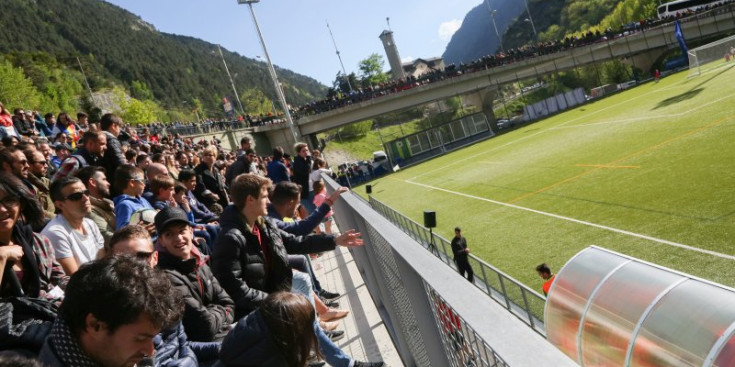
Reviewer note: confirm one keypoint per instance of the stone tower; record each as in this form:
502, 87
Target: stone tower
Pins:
391, 50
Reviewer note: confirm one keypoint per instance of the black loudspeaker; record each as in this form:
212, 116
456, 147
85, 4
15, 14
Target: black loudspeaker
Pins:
429, 219
368, 189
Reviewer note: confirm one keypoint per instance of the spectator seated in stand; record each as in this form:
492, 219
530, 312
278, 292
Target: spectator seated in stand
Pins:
209, 310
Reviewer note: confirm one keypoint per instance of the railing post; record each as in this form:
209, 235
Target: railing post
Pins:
505, 293
528, 308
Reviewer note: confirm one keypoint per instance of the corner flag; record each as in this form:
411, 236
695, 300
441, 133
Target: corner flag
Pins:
680, 37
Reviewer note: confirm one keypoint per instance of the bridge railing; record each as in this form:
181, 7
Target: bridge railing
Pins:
516, 297
434, 316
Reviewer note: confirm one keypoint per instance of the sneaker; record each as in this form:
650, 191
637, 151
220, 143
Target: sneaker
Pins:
330, 296
335, 335
328, 326
333, 314
368, 364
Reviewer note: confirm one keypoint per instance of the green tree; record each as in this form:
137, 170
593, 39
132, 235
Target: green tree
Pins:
371, 70
141, 91
255, 102
16, 90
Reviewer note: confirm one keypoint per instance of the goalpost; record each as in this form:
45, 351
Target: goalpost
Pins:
703, 58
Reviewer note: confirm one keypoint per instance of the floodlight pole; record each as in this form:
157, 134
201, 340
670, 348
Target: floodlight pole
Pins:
274, 76
530, 18
340, 58
239, 103
495, 25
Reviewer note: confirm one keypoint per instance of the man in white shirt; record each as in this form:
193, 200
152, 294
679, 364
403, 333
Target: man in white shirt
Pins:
76, 239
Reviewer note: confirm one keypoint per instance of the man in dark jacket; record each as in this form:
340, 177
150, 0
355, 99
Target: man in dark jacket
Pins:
113, 157
284, 200
301, 171
209, 309
251, 255
241, 165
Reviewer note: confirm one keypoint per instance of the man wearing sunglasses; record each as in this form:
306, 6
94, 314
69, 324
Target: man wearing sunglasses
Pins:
76, 239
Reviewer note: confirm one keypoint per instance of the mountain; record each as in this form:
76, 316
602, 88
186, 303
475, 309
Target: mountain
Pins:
476, 37
117, 47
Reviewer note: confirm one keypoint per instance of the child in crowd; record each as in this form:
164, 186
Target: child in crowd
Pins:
130, 181
320, 195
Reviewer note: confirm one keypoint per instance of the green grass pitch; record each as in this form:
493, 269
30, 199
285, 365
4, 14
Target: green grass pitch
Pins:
649, 172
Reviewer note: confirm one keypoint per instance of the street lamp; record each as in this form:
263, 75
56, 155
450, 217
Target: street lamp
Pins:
239, 103
274, 76
495, 25
530, 19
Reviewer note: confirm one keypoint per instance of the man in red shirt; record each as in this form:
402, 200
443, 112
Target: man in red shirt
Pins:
544, 272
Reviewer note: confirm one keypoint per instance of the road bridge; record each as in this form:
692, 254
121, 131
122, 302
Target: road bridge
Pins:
642, 49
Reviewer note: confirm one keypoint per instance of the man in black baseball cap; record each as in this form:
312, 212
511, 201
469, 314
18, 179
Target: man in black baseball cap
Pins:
209, 310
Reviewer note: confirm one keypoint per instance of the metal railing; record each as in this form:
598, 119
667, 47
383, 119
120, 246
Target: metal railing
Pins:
433, 315
516, 297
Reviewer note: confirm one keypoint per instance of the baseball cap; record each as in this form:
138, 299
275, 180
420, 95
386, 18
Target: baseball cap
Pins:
457, 229
168, 216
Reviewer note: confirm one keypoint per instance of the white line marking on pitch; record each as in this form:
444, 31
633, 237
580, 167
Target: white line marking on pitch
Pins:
578, 221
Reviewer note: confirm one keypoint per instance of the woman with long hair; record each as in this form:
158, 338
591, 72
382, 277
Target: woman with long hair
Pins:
278, 334
27, 259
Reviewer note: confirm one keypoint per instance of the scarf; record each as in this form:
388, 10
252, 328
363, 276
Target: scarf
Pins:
66, 348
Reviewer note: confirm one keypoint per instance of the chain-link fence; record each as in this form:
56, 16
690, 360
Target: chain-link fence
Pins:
433, 315
522, 301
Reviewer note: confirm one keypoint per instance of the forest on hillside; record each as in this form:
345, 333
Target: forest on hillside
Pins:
53, 41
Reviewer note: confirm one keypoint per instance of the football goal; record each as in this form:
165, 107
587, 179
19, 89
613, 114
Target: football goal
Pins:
711, 56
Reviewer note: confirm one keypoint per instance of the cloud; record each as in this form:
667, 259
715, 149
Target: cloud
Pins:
447, 29
406, 59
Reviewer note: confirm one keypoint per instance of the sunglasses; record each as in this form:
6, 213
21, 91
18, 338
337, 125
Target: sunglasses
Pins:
77, 195
144, 255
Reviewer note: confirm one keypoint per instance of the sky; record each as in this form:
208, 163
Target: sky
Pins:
296, 34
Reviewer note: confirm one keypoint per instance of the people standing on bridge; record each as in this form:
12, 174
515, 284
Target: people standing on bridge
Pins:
462, 254
544, 271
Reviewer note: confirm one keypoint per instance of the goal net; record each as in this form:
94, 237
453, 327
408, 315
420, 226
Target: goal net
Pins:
711, 56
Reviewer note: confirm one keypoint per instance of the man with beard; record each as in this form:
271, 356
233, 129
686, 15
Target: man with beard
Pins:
37, 177
14, 161
103, 209
76, 239
95, 144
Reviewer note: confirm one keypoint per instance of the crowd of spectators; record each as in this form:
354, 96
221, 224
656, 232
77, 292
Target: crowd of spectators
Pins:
123, 246
506, 57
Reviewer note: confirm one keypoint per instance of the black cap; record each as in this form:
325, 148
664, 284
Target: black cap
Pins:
167, 216
457, 229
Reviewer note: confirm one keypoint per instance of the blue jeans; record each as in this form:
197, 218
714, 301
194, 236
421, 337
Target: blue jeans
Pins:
303, 264
301, 284
308, 203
